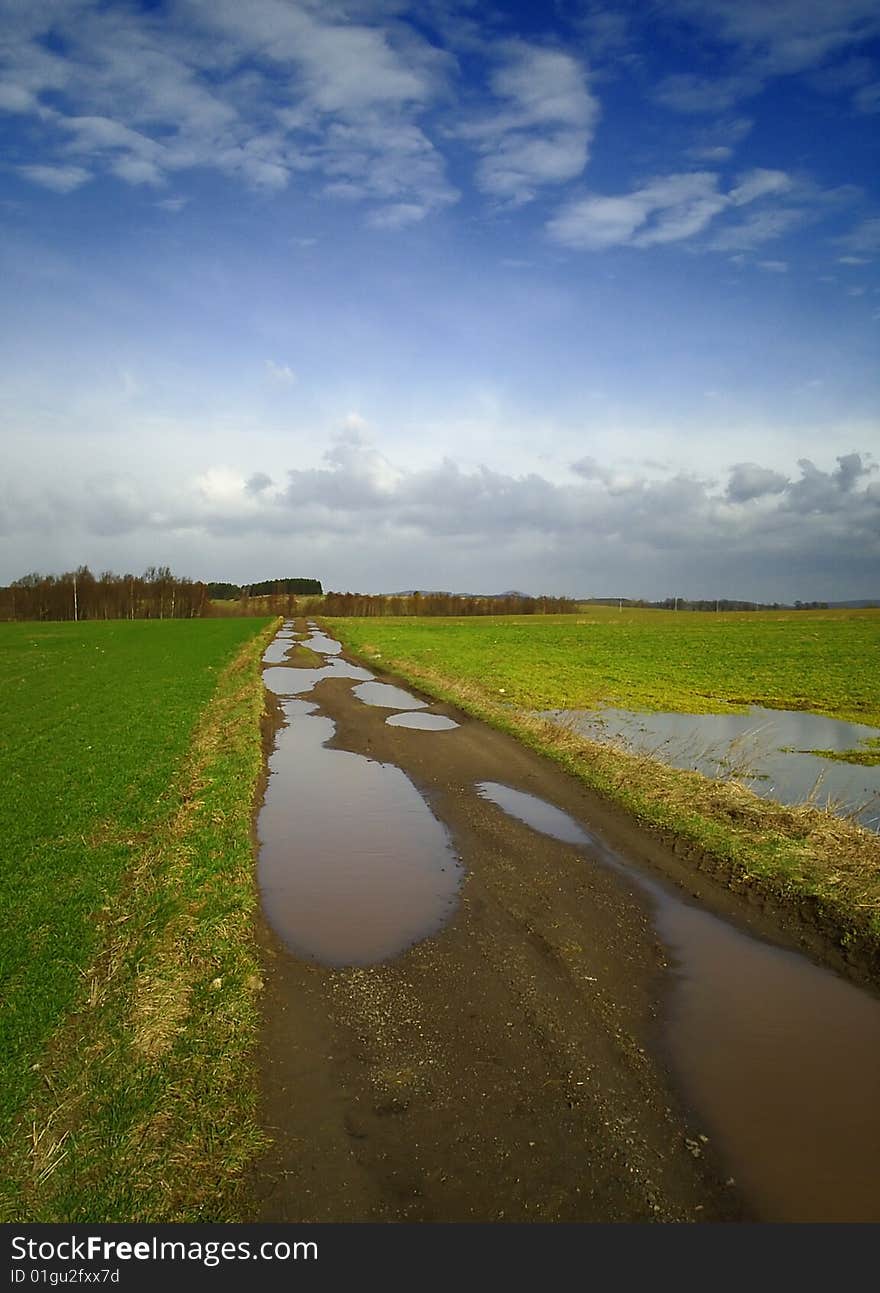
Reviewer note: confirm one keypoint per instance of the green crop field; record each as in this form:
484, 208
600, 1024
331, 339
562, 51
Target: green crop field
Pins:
97, 722
827, 662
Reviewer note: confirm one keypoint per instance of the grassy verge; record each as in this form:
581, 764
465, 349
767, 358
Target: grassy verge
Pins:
132, 1096
827, 866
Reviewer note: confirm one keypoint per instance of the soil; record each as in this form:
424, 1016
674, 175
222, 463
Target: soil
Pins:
512, 1066
508, 1068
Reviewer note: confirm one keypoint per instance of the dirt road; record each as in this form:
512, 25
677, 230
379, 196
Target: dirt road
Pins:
509, 1067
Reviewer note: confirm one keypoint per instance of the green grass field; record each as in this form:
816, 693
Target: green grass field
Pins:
114, 818
827, 662
505, 670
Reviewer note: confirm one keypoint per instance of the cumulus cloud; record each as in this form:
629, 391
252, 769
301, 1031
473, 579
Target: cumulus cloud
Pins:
542, 128
825, 493
757, 520
61, 179
265, 94
258, 483
787, 36
748, 481
668, 208
758, 183
765, 41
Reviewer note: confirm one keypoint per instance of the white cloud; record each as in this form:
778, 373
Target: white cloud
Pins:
769, 40
774, 266
759, 183
669, 208
541, 131
61, 179
265, 93
749, 481
756, 228
864, 238
786, 36
757, 524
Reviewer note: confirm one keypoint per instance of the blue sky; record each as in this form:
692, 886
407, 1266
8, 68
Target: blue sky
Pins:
575, 298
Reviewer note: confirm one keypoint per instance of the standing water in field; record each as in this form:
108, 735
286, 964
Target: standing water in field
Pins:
780, 1057
766, 749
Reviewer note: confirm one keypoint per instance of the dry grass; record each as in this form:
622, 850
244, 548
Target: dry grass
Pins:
146, 1111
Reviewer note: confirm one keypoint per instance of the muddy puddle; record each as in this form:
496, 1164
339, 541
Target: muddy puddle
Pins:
320, 642
779, 1057
287, 680
766, 749
277, 649
425, 722
383, 695
354, 867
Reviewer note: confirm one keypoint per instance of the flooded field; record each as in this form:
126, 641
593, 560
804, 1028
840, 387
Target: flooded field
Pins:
766, 749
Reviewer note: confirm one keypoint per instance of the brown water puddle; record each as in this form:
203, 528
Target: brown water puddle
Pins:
321, 643
288, 680
426, 722
353, 866
383, 695
780, 1057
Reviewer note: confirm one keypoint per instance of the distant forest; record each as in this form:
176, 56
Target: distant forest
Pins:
364, 605
156, 594
268, 588
707, 604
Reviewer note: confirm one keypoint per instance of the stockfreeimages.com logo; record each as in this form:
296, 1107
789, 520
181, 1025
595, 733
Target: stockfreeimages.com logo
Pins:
210, 1252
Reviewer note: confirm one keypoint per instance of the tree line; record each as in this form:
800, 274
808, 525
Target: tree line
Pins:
706, 604
223, 592
364, 605
79, 595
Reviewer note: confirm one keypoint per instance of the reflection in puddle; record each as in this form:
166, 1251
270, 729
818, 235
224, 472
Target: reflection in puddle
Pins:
353, 866
428, 722
321, 643
781, 1057
277, 649
763, 748
289, 681
385, 696
535, 812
